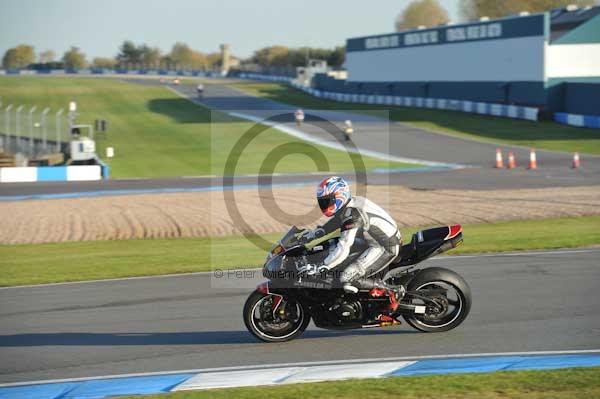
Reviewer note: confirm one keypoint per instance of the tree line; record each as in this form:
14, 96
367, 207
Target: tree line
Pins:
129, 56
430, 12
180, 57
183, 57
282, 56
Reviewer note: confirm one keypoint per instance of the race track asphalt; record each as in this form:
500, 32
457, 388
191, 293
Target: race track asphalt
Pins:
372, 133
468, 179
521, 302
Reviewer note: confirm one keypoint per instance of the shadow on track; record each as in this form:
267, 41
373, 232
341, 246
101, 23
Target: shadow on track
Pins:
168, 338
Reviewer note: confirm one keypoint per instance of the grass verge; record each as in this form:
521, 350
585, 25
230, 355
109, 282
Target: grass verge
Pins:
79, 261
545, 134
156, 133
556, 384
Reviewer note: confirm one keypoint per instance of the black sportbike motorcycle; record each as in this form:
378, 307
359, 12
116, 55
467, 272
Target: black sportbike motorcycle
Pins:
436, 299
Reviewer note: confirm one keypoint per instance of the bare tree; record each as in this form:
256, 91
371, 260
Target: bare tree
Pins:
104, 62
47, 56
150, 56
421, 12
181, 55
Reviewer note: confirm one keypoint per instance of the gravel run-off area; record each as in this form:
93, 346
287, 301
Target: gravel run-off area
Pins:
204, 214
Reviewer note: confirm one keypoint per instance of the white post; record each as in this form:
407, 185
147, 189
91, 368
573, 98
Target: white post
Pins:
58, 128
18, 126
2, 139
45, 130
31, 146
7, 119
7, 126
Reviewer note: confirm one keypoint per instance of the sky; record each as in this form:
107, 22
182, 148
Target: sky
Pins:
98, 27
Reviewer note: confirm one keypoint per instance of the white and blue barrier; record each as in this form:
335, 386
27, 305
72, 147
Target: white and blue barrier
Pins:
53, 173
230, 377
591, 121
500, 110
269, 78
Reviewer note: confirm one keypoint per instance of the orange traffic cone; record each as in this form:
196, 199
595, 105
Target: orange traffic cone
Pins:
499, 161
511, 161
532, 160
576, 162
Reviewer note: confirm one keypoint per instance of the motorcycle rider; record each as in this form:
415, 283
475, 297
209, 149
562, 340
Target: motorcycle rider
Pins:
357, 216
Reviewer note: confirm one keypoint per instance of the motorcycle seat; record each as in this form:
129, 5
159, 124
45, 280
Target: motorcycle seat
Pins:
408, 251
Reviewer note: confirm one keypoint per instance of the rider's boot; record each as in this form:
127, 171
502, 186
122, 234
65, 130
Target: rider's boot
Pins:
394, 294
378, 288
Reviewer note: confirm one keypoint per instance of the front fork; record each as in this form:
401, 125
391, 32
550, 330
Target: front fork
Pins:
276, 306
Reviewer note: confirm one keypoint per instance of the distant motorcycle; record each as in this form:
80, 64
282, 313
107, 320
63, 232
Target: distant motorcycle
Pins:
348, 130
436, 299
299, 117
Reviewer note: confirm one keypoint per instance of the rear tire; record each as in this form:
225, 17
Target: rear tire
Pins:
264, 331
437, 277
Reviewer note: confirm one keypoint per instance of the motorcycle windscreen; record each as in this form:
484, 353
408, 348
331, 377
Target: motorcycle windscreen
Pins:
290, 238
273, 267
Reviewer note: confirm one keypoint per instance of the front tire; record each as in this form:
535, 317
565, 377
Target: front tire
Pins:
288, 323
451, 308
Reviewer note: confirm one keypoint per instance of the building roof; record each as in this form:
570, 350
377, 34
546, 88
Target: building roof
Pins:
564, 20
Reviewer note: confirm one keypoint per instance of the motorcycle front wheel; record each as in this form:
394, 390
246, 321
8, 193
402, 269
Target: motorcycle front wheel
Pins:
272, 320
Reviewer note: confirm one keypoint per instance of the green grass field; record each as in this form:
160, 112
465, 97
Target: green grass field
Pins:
156, 133
576, 383
547, 135
79, 261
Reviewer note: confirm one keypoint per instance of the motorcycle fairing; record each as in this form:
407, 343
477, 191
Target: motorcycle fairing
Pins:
426, 243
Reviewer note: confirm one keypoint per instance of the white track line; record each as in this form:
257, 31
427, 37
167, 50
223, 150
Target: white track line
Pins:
524, 253
337, 146
303, 364
438, 258
325, 143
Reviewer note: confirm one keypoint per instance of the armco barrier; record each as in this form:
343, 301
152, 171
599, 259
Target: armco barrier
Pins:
53, 173
591, 121
500, 110
270, 78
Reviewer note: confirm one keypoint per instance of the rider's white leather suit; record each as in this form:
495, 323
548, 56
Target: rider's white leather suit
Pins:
362, 218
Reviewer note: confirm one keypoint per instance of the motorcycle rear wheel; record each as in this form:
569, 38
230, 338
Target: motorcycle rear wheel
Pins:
268, 328
455, 304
